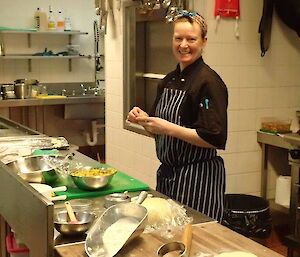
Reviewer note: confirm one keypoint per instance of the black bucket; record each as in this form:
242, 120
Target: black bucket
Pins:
248, 215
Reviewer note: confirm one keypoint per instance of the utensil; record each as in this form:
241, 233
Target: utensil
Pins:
47, 191
34, 169
62, 224
116, 198
92, 182
117, 226
183, 247
71, 214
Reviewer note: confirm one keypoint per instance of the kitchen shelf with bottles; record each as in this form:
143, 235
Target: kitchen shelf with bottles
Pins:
33, 57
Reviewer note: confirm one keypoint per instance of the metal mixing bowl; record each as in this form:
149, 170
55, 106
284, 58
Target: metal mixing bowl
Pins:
92, 182
62, 224
34, 169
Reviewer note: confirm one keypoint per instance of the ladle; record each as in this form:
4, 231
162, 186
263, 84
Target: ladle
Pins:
73, 219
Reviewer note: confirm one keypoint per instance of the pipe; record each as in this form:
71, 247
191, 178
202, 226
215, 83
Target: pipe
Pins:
92, 140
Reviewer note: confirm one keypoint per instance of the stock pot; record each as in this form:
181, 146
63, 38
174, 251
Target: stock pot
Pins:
23, 88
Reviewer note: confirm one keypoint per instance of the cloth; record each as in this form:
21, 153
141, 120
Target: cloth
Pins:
227, 8
195, 176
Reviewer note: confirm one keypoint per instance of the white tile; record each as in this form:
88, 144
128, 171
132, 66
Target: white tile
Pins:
230, 76
280, 97
246, 120
248, 182
249, 161
232, 142
247, 98
264, 97
247, 142
233, 120
114, 119
248, 76
233, 98
114, 103
114, 86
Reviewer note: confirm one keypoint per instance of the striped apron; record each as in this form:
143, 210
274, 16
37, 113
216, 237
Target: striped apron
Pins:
191, 175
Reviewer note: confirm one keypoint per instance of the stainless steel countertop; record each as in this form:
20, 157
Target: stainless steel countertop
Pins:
57, 101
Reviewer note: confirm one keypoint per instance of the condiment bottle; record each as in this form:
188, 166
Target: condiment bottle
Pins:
51, 21
40, 20
60, 25
68, 25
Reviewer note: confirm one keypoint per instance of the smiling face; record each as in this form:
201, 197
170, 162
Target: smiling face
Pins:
188, 42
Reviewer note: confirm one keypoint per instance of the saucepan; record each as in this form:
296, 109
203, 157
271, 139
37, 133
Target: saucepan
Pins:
117, 226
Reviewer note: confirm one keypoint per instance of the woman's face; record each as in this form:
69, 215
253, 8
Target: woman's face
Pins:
187, 42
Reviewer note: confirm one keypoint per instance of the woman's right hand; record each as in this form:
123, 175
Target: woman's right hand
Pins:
134, 113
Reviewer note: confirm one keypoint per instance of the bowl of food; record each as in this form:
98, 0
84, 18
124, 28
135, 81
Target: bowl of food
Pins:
34, 169
66, 227
90, 178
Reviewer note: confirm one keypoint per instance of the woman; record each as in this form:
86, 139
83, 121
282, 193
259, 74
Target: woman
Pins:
189, 122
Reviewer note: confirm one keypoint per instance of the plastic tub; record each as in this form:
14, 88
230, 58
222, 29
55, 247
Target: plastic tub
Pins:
15, 250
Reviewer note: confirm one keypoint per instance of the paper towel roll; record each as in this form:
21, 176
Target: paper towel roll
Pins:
283, 191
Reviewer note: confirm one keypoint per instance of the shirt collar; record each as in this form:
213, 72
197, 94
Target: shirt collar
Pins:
187, 70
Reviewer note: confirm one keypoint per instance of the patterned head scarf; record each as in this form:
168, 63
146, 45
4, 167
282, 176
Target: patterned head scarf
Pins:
192, 17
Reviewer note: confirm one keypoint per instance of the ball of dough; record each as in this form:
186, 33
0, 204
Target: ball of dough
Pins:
159, 210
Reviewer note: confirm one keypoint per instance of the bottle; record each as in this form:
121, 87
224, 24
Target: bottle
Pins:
37, 18
60, 25
68, 25
51, 21
40, 20
43, 20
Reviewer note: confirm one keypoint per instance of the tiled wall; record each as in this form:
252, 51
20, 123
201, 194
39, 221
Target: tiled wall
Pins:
16, 14
258, 87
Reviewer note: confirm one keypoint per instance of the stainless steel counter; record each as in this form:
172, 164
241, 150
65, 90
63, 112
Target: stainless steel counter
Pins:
57, 101
30, 214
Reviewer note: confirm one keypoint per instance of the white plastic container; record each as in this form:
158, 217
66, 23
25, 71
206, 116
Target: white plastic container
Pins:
283, 191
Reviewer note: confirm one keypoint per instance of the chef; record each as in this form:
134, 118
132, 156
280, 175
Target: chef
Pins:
189, 122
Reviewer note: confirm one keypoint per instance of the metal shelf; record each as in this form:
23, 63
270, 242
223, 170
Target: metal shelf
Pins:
73, 32
34, 57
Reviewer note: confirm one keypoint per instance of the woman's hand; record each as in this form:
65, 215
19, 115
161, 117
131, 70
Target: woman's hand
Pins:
154, 125
135, 113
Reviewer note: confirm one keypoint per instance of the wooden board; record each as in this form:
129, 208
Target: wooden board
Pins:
210, 237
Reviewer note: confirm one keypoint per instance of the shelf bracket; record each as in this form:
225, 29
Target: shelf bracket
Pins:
29, 40
70, 39
70, 65
29, 65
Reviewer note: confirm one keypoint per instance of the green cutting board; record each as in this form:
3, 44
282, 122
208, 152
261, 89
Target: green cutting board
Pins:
120, 182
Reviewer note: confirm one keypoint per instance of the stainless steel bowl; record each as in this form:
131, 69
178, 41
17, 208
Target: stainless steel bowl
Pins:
34, 169
62, 224
92, 182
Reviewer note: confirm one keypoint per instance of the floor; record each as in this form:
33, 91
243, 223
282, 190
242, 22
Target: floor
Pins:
280, 229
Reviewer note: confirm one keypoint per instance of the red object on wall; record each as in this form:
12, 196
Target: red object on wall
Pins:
227, 8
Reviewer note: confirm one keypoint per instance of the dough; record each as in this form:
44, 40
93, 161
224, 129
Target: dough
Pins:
159, 210
236, 254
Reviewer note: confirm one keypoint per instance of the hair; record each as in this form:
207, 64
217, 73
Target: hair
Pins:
197, 18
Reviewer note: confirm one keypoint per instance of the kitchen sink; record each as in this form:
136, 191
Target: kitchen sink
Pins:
85, 111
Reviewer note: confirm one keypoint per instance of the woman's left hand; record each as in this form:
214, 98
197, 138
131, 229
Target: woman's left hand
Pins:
154, 125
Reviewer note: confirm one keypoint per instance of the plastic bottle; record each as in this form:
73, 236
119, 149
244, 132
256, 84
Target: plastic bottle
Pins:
43, 20
68, 25
40, 20
51, 21
60, 25
37, 18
